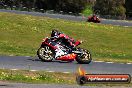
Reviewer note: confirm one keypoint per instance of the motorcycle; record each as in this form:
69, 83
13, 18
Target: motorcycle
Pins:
93, 19
47, 53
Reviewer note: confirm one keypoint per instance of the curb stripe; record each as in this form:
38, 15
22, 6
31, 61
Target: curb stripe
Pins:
27, 56
33, 70
50, 71
121, 63
14, 69
65, 72
37, 70
98, 61
11, 55
128, 63
109, 62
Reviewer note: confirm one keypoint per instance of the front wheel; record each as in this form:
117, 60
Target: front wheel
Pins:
85, 57
45, 54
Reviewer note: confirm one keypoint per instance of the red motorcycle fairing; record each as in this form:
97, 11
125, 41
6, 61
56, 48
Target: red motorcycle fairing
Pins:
68, 57
45, 42
93, 19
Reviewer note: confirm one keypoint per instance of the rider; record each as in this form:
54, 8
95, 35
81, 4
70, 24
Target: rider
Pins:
65, 39
93, 17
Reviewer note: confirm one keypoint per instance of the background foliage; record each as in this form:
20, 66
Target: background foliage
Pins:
74, 6
128, 6
114, 8
111, 7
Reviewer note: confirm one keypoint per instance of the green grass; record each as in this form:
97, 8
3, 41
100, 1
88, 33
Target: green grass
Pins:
26, 76
22, 35
42, 77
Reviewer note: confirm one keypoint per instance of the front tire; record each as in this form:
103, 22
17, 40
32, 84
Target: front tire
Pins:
85, 58
45, 54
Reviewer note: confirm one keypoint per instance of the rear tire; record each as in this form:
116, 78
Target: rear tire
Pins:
45, 54
86, 58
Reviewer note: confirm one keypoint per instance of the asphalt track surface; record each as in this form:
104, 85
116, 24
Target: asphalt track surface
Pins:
24, 85
69, 17
30, 63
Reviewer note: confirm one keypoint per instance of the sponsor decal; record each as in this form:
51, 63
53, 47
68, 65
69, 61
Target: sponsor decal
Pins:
83, 77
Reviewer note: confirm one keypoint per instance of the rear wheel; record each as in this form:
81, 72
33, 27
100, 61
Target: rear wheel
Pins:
84, 58
45, 54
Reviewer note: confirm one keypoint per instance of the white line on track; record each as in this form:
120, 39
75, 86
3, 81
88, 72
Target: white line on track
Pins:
128, 63
50, 71
117, 25
109, 62
14, 69
98, 61
126, 26
27, 56
11, 55
33, 70
37, 70
121, 63
66, 72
